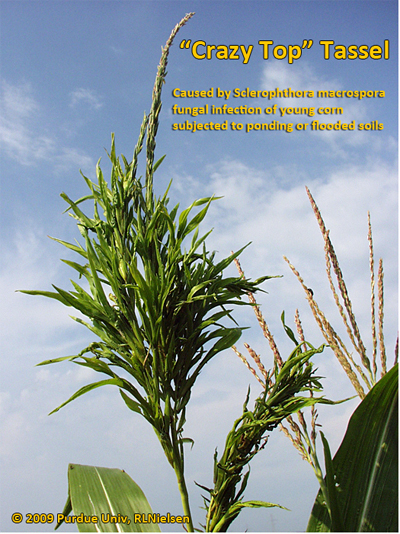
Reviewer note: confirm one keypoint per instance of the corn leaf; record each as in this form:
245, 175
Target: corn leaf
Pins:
235, 510
104, 494
366, 466
332, 497
87, 388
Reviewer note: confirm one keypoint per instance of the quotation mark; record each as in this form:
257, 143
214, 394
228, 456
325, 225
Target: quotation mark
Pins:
187, 45
307, 44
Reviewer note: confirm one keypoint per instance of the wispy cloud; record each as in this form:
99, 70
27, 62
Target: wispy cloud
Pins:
24, 131
277, 221
18, 134
305, 78
85, 96
73, 158
118, 51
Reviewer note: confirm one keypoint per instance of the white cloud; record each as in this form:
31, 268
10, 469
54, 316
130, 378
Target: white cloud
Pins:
18, 101
31, 261
18, 134
277, 74
281, 222
263, 211
74, 158
304, 78
87, 96
23, 131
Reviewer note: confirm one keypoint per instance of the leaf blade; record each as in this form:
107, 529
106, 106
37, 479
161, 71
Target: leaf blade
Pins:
367, 471
103, 492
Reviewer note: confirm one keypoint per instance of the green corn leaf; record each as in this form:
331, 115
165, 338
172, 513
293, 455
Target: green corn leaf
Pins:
366, 466
243, 485
222, 265
85, 389
132, 405
187, 440
79, 215
288, 330
158, 163
100, 494
84, 303
197, 219
331, 489
48, 294
98, 291
182, 224
100, 332
56, 360
197, 288
82, 269
65, 513
235, 510
75, 248
96, 364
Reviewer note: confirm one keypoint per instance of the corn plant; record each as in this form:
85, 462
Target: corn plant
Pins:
155, 297
361, 374
338, 506
280, 398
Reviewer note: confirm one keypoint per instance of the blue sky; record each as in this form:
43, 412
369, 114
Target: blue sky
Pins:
73, 72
